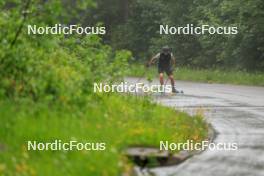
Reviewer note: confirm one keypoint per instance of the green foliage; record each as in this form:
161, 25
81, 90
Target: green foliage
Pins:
241, 51
119, 121
53, 66
140, 28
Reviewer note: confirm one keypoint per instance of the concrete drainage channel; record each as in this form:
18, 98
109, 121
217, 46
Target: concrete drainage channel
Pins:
145, 158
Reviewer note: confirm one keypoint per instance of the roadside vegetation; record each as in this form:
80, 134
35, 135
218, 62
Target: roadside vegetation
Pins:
203, 75
119, 121
46, 93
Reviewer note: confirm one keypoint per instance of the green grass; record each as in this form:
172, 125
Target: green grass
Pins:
120, 121
206, 75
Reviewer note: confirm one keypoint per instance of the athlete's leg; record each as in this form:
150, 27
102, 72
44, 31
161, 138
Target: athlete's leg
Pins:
170, 75
172, 80
172, 84
169, 72
161, 78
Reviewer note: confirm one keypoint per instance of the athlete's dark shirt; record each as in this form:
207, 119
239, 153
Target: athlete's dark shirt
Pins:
164, 61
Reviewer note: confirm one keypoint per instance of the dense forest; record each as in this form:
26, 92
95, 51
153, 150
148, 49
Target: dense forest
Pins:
134, 25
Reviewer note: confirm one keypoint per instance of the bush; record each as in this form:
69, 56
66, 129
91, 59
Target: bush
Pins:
55, 67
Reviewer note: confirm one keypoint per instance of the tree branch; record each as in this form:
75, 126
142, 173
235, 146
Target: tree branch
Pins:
25, 13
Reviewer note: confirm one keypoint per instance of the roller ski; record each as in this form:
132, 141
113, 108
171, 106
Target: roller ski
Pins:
175, 91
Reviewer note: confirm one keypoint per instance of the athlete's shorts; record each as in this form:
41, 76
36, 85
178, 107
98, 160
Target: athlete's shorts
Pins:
167, 70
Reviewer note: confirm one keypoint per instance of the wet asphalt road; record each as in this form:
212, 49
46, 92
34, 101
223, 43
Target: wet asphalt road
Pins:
236, 114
